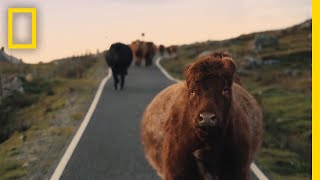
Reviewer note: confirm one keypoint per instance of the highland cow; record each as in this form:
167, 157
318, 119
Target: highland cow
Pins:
206, 127
149, 51
119, 58
143, 51
172, 50
162, 49
136, 47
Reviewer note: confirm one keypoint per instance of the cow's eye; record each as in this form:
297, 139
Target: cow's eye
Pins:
192, 93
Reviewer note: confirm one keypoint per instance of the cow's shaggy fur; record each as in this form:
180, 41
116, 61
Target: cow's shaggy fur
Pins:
178, 148
119, 58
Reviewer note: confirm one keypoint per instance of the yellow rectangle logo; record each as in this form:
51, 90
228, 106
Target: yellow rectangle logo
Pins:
33, 12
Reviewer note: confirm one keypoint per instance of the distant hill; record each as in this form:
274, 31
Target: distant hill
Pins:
4, 57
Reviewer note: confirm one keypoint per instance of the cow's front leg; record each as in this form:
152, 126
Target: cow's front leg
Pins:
116, 79
178, 162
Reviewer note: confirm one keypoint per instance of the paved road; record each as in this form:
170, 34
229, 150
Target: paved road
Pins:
110, 147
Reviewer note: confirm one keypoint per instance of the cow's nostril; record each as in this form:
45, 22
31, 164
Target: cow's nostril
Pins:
207, 119
207, 116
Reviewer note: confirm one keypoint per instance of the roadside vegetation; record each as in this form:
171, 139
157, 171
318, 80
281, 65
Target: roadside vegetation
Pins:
275, 67
38, 122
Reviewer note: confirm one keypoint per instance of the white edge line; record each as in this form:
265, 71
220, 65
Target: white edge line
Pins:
258, 172
72, 146
164, 71
254, 167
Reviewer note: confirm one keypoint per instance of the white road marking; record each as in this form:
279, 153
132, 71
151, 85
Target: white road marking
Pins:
254, 167
258, 172
164, 71
72, 146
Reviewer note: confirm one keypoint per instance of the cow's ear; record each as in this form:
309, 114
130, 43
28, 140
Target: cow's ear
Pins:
229, 66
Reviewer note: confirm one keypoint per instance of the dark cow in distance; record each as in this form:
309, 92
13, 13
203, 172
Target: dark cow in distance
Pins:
206, 127
172, 50
162, 49
119, 58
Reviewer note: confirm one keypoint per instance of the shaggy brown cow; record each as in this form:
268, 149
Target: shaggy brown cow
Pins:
136, 48
143, 51
149, 51
206, 127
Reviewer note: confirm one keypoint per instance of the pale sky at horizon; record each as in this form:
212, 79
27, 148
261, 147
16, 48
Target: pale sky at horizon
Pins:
72, 27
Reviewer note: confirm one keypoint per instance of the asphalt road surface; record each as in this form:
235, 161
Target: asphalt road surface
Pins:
110, 147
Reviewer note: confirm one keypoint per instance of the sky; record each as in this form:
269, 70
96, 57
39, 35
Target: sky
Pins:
73, 27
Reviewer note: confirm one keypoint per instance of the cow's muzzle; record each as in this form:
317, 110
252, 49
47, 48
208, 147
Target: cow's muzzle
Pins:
207, 120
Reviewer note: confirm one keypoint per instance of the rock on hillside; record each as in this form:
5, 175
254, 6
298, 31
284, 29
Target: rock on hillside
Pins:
4, 57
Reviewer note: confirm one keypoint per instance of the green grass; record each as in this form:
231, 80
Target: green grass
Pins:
9, 167
47, 114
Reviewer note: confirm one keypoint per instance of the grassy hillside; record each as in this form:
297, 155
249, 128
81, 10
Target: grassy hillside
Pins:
36, 125
278, 74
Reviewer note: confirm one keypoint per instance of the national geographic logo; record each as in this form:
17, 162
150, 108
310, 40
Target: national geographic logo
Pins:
12, 44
